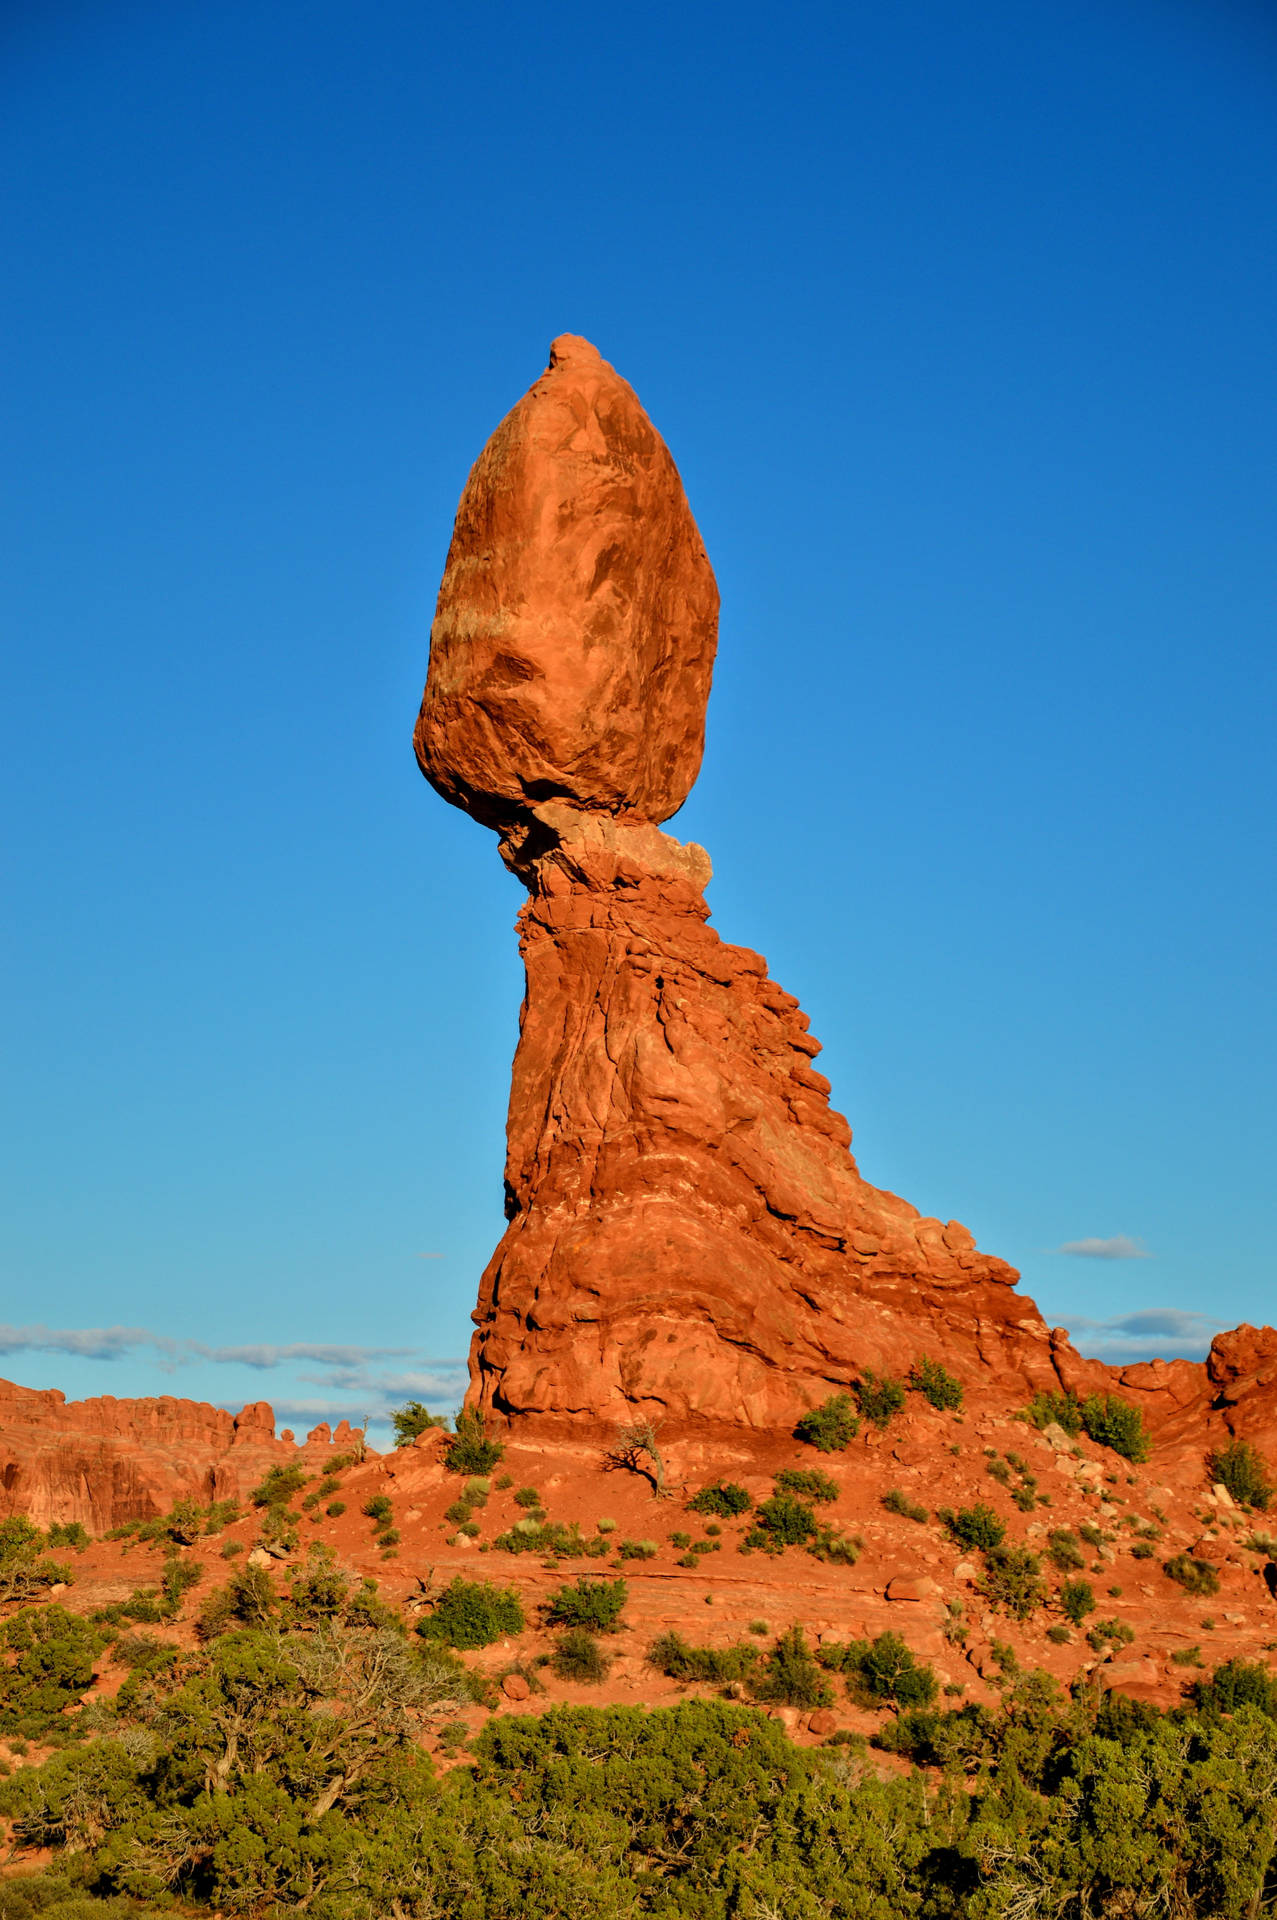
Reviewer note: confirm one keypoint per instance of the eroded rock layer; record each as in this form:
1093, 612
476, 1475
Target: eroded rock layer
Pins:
688, 1230
104, 1461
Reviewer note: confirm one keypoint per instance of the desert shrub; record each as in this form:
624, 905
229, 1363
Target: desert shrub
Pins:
470, 1451
411, 1420
936, 1384
477, 1489
1093, 1535
1060, 1634
712, 1666
782, 1522
831, 1426
594, 1604
1025, 1496
389, 1536
578, 1656
1055, 1410
48, 1666
527, 1497
459, 1512
1113, 1422
878, 1397
638, 1549
998, 1470
724, 1498
896, 1502
1142, 1550
1238, 1683
881, 1672
1237, 1466
473, 1613
379, 1509
835, 1548
1063, 1550
977, 1526
278, 1487
25, 1569
681, 1540
1077, 1599
68, 1533
247, 1600
335, 1509
551, 1538
789, 1676
1195, 1576
1110, 1633
1012, 1580
809, 1483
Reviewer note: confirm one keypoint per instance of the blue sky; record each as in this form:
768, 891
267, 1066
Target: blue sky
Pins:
959, 323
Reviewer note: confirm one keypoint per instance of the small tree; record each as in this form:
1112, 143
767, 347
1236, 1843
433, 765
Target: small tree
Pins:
413, 1419
635, 1449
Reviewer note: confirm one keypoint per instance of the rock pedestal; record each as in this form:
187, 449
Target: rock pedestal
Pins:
689, 1235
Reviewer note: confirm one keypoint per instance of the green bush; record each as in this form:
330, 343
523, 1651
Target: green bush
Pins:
335, 1509
1012, 1580
551, 1538
1115, 1423
896, 1502
831, 1426
977, 1526
881, 1672
594, 1604
379, 1509
878, 1397
809, 1483
712, 1666
1063, 1550
411, 1420
1110, 1633
837, 1549
1238, 1683
48, 1665
789, 1676
578, 1656
1055, 1410
1077, 1599
278, 1487
782, 1522
527, 1497
470, 1451
724, 1498
473, 1613
637, 1549
1195, 1576
68, 1533
936, 1384
1237, 1466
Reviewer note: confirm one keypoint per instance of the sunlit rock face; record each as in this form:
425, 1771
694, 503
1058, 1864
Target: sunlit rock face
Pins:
689, 1233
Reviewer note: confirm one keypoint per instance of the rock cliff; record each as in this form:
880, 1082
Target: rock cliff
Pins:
689, 1234
105, 1461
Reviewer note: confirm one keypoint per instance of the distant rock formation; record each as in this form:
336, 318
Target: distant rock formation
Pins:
105, 1461
689, 1235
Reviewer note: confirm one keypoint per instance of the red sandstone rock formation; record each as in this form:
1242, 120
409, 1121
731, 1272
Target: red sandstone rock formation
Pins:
688, 1231
105, 1461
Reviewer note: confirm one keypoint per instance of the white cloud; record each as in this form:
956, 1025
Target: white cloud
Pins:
1120, 1247
1153, 1333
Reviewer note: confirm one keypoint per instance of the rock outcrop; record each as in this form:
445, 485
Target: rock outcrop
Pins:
105, 1461
689, 1234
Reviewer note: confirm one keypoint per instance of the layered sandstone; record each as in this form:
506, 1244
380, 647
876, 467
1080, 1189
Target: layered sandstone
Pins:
689, 1234
104, 1461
